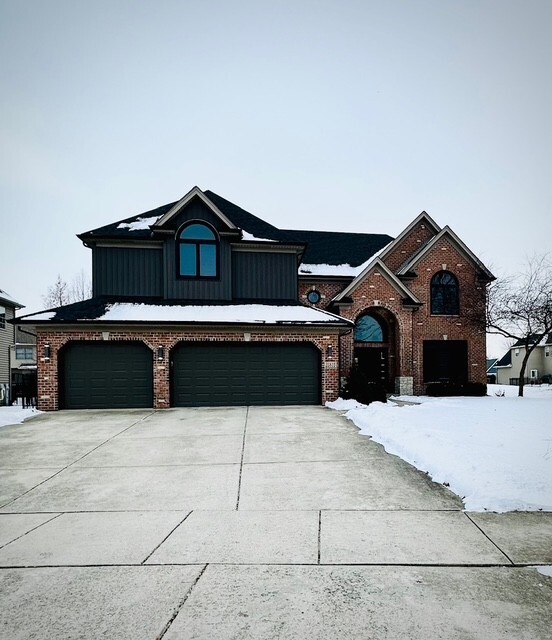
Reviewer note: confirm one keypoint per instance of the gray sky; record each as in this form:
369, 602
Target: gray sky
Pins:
341, 115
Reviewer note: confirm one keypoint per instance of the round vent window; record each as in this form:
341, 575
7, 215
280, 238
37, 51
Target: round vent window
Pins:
313, 297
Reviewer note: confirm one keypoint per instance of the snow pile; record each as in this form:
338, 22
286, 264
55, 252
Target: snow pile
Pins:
242, 313
330, 269
139, 224
495, 452
249, 236
15, 415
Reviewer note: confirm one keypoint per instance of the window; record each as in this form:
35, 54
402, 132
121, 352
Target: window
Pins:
444, 294
534, 374
546, 352
197, 251
368, 329
313, 296
24, 352
2, 317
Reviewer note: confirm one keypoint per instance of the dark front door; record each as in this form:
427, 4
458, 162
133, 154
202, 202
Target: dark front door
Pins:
106, 375
373, 362
240, 374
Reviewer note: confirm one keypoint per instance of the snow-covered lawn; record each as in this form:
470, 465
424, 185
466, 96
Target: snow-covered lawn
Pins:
15, 415
495, 452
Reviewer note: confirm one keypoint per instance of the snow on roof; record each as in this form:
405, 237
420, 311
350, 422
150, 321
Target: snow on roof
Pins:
338, 269
5, 296
237, 313
329, 270
249, 236
44, 315
138, 224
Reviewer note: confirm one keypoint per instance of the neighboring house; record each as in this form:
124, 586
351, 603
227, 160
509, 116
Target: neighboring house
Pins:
491, 370
8, 307
538, 368
23, 364
199, 302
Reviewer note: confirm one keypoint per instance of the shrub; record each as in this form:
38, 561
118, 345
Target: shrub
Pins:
359, 388
439, 389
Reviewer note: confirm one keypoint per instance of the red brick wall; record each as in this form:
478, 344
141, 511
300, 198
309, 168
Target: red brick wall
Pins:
408, 246
445, 256
327, 290
48, 369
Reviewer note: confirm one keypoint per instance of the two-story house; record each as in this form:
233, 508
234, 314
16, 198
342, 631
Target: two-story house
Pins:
538, 367
8, 307
199, 302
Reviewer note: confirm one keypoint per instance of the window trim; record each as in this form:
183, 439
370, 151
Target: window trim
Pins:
433, 285
197, 243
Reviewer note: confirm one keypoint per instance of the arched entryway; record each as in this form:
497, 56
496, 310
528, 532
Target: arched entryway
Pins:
375, 346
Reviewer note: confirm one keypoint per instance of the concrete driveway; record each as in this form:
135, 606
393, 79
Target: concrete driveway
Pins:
249, 523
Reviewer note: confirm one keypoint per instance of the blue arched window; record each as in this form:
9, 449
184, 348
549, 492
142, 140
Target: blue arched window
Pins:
197, 251
368, 329
445, 299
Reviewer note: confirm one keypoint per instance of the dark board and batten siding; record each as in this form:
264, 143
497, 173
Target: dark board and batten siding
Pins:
127, 272
270, 276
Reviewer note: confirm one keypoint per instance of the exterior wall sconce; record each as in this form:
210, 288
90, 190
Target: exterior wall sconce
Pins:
47, 352
329, 351
160, 353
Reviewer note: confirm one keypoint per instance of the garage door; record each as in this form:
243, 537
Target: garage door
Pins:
106, 375
225, 374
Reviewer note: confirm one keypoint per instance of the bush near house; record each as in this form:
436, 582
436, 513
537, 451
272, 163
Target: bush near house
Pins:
440, 389
359, 388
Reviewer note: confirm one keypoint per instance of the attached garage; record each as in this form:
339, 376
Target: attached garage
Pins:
106, 375
250, 373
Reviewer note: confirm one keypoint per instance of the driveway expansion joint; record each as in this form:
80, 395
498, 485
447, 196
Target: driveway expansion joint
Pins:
242, 456
490, 540
165, 538
180, 605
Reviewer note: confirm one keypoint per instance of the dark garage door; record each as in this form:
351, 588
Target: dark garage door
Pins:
225, 374
106, 375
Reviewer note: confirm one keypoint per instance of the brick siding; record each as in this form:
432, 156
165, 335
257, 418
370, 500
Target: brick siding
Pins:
326, 340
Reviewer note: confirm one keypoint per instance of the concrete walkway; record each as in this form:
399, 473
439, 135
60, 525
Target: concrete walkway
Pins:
249, 523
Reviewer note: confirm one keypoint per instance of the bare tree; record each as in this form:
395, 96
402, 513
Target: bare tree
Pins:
520, 308
62, 292
57, 294
80, 287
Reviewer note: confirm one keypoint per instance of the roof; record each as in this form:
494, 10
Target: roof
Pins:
323, 247
506, 360
536, 338
339, 248
446, 231
7, 299
491, 363
104, 309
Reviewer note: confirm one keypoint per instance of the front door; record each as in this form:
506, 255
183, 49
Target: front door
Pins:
373, 362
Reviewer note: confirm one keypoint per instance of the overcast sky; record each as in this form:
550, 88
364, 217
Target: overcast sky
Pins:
341, 115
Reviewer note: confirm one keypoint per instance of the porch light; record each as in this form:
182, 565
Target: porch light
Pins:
47, 352
329, 351
160, 353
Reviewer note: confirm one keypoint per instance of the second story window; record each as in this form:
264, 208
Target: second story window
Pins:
444, 294
2, 317
197, 251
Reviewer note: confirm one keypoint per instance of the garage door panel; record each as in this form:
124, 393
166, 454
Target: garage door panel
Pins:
98, 375
225, 374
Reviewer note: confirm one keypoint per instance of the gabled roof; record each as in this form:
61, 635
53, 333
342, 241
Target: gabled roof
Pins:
449, 233
7, 299
195, 192
506, 360
377, 263
491, 363
423, 217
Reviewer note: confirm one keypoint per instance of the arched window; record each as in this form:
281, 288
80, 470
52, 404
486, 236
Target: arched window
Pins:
368, 329
197, 251
444, 294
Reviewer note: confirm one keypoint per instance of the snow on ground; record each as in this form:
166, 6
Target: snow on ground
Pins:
15, 415
495, 452
545, 569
